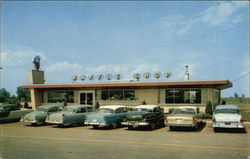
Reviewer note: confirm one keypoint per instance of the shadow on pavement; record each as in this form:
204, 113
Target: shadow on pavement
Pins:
230, 130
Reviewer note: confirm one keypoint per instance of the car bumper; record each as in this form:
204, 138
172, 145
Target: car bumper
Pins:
135, 123
181, 124
228, 125
96, 123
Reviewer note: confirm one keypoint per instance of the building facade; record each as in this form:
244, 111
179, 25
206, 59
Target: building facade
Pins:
166, 94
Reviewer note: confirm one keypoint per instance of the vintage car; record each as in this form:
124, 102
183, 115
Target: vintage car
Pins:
70, 115
148, 116
12, 112
227, 116
183, 116
110, 115
40, 114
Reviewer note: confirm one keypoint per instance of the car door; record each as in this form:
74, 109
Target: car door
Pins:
159, 117
80, 114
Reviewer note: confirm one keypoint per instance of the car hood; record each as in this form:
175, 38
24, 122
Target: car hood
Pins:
227, 117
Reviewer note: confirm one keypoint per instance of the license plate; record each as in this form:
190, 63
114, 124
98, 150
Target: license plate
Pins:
227, 123
94, 120
179, 121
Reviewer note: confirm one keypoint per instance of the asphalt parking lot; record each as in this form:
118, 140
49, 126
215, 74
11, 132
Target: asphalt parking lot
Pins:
21, 141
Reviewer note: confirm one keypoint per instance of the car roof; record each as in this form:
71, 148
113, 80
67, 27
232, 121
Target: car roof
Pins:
50, 106
147, 106
79, 106
227, 107
9, 106
113, 106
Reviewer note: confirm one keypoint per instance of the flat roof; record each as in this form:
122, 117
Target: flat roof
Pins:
219, 84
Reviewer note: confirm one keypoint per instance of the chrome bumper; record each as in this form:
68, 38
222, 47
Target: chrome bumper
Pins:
135, 123
228, 125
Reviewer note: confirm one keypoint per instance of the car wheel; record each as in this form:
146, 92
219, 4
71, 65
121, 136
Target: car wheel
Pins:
152, 126
130, 127
95, 126
215, 129
114, 125
171, 128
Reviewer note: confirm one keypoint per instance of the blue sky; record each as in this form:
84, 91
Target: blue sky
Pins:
126, 37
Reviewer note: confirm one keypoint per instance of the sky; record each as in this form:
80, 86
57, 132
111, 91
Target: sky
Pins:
127, 37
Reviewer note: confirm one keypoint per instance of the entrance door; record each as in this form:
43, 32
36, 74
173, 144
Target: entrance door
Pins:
86, 98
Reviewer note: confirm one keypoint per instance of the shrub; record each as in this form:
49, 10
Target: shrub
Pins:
97, 105
209, 109
143, 102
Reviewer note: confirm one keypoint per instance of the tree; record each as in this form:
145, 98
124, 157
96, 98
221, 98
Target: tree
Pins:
208, 109
243, 96
12, 100
4, 95
23, 94
236, 95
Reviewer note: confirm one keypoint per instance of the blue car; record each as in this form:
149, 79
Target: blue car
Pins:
111, 115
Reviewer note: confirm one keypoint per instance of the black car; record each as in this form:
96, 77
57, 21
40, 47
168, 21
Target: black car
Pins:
11, 112
6, 109
148, 116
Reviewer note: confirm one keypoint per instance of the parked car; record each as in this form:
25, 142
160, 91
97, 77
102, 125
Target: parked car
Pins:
40, 114
70, 115
148, 116
184, 116
110, 115
12, 112
227, 116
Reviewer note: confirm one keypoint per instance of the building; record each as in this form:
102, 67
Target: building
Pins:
166, 94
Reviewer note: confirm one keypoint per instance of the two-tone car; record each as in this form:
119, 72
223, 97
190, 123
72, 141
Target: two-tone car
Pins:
227, 116
12, 112
183, 116
110, 115
70, 115
148, 116
40, 114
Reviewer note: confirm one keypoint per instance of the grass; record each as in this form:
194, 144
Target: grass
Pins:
243, 103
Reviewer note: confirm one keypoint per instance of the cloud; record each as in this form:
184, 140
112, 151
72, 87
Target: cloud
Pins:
19, 58
223, 13
63, 66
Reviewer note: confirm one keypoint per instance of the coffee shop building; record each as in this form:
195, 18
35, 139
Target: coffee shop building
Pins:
167, 94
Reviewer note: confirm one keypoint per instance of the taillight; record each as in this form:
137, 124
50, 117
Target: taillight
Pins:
165, 118
214, 120
241, 120
193, 118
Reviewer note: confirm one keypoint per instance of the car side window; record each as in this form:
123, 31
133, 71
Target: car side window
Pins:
157, 109
119, 110
53, 109
81, 110
90, 109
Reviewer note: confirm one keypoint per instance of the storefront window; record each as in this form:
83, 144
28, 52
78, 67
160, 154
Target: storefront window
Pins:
61, 96
190, 96
129, 94
118, 95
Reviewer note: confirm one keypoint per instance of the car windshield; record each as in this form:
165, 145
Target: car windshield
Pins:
105, 110
68, 109
184, 111
227, 111
141, 110
43, 109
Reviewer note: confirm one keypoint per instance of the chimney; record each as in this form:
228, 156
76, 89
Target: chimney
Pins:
186, 75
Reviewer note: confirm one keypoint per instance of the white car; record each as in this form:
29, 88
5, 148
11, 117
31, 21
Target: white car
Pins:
227, 116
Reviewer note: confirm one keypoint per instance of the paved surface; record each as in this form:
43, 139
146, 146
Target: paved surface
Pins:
19, 141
